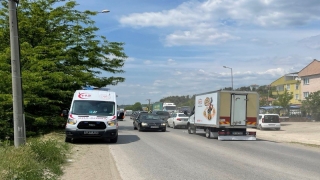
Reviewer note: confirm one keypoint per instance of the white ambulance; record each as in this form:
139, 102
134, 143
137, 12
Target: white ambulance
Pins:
93, 114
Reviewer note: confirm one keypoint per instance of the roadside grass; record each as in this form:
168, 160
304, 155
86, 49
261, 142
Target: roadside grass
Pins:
306, 144
40, 158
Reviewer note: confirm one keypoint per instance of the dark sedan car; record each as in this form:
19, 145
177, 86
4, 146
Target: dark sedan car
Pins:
163, 114
148, 121
136, 114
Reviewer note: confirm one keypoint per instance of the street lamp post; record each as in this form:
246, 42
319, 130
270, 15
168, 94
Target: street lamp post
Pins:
231, 76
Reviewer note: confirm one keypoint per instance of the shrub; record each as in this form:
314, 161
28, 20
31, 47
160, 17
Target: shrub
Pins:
38, 159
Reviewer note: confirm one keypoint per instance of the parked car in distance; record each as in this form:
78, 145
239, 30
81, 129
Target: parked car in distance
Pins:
177, 120
163, 114
128, 112
133, 114
269, 121
148, 121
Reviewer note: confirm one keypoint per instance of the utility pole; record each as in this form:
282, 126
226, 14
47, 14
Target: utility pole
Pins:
149, 104
18, 114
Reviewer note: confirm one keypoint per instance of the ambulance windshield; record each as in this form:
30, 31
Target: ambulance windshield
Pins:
95, 108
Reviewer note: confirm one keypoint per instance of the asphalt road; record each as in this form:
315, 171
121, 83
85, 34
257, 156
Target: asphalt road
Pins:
175, 154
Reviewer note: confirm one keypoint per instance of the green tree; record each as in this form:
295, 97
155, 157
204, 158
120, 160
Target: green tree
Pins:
283, 100
137, 106
60, 53
311, 105
263, 101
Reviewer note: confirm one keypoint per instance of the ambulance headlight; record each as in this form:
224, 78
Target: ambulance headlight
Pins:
111, 123
72, 121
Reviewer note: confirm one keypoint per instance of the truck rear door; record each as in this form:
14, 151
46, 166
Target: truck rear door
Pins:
238, 109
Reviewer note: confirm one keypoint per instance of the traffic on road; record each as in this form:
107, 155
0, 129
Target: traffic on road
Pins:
176, 154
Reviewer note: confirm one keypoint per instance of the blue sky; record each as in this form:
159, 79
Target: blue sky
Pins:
179, 47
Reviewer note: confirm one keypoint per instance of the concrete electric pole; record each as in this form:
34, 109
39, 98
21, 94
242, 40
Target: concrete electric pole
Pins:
149, 104
18, 114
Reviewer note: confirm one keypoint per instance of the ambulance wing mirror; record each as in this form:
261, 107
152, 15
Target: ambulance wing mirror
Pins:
64, 113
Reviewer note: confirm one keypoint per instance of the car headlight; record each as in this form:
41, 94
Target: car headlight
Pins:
163, 124
144, 124
111, 123
72, 121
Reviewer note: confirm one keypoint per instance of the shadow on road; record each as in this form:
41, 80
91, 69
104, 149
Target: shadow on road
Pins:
258, 139
122, 139
126, 139
285, 124
271, 130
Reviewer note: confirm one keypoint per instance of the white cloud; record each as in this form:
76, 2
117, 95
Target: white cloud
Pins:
274, 72
158, 82
262, 42
147, 62
198, 36
171, 62
311, 42
130, 59
194, 81
183, 15
209, 22
177, 73
260, 12
259, 39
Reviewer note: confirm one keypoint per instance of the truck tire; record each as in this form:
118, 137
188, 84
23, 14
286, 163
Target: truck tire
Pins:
208, 134
191, 130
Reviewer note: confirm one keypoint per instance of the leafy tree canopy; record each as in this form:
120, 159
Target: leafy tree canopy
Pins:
311, 105
284, 99
137, 106
60, 53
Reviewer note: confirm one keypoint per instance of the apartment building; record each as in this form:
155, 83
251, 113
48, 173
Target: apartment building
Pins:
310, 79
291, 83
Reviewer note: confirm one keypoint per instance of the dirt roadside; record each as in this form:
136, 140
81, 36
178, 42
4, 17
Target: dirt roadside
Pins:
307, 133
95, 161
91, 161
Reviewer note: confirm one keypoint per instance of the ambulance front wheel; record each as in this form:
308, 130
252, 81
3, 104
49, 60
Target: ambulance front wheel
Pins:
114, 140
67, 139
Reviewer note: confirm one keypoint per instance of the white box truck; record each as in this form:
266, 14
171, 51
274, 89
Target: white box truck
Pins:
170, 107
225, 115
93, 114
